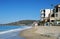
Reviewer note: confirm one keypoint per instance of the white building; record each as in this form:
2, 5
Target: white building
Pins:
52, 16
45, 13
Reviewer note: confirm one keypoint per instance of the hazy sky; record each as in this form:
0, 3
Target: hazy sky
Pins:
15, 10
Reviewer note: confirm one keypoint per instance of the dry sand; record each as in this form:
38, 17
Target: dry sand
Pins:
30, 34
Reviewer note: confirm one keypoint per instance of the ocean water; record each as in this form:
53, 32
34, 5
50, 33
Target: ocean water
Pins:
12, 32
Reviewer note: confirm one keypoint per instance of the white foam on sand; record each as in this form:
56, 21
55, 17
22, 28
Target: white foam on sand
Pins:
14, 30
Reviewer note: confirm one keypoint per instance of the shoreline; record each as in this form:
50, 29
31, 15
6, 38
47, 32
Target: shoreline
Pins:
14, 33
13, 30
34, 33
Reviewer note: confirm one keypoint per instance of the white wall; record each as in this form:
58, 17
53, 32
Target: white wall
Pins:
47, 11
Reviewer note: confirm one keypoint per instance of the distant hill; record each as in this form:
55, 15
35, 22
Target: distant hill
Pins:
22, 22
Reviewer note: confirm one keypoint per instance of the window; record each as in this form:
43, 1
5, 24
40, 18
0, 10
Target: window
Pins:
44, 10
52, 15
44, 15
52, 20
56, 9
59, 9
56, 15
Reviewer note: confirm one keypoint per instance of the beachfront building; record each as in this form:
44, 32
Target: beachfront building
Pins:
51, 16
57, 13
45, 15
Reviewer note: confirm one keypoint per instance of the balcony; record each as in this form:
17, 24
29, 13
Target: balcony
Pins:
42, 12
58, 5
42, 15
42, 19
52, 18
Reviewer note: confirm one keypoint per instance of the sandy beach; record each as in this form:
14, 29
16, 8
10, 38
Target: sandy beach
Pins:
33, 33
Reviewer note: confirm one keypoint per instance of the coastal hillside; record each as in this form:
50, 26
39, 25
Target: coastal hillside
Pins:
22, 22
